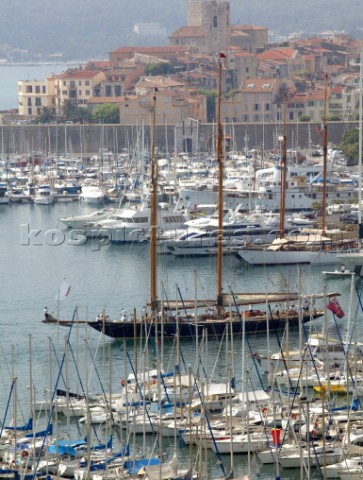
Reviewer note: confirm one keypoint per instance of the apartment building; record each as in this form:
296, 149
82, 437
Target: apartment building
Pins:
77, 86
33, 95
172, 107
257, 101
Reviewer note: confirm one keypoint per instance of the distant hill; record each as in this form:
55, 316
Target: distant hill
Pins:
83, 29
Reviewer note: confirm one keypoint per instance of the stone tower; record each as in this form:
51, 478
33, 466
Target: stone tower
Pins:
214, 16
194, 13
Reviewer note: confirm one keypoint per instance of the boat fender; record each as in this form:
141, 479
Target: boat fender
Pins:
123, 382
264, 412
24, 454
294, 416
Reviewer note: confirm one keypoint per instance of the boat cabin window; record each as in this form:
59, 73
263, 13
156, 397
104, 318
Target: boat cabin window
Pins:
173, 218
140, 219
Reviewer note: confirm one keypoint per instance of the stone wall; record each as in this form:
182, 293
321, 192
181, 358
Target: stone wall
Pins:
24, 139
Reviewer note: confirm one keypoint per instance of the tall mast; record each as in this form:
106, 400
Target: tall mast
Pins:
325, 156
360, 226
283, 173
153, 215
220, 186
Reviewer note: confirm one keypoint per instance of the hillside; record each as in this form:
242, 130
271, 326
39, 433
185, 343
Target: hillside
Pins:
81, 29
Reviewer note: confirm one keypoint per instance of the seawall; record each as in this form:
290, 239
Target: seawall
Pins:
188, 135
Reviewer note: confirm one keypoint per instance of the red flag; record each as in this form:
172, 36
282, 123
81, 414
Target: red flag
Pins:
222, 55
335, 307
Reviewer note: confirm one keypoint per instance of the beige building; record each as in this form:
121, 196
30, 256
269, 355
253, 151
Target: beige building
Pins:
77, 86
257, 101
283, 62
171, 108
249, 37
33, 96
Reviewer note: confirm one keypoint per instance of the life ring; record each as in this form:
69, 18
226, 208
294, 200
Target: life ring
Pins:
24, 454
294, 416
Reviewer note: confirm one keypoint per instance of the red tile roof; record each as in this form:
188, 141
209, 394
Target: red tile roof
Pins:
79, 74
259, 85
278, 54
161, 49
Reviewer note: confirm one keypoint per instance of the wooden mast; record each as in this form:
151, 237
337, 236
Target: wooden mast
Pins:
325, 156
153, 215
220, 187
283, 174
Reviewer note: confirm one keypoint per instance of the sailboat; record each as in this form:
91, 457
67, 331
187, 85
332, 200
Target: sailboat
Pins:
310, 245
354, 260
172, 317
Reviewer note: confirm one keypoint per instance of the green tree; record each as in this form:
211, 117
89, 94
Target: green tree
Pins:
304, 118
108, 113
350, 145
211, 103
162, 68
46, 116
70, 111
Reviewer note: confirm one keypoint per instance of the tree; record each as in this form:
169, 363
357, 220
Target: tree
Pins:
350, 146
211, 103
70, 111
304, 118
46, 116
162, 68
107, 113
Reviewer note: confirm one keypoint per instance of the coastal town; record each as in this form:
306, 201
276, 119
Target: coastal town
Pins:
256, 76
182, 260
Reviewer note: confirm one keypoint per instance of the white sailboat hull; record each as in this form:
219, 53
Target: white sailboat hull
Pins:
269, 257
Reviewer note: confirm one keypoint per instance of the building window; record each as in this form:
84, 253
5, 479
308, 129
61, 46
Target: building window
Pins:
29, 111
247, 70
37, 89
118, 90
215, 21
87, 83
267, 107
44, 90
38, 102
79, 83
88, 93
80, 93
291, 115
256, 118
29, 89
29, 101
108, 91
64, 92
255, 107
64, 83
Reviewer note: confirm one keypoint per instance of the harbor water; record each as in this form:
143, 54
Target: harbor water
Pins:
36, 257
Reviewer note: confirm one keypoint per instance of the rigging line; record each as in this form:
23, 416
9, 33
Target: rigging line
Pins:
104, 394
142, 397
248, 342
7, 407
64, 381
52, 405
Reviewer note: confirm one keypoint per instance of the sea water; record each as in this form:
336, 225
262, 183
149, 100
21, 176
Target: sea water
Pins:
36, 257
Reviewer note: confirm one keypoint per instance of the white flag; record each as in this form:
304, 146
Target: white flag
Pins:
64, 290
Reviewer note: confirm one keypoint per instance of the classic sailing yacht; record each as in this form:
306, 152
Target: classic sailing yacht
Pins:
311, 245
217, 314
354, 261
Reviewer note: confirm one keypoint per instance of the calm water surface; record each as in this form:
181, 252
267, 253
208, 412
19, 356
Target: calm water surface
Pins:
111, 278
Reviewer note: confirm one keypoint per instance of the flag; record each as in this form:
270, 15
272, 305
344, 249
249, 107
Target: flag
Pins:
64, 290
335, 307
222, 55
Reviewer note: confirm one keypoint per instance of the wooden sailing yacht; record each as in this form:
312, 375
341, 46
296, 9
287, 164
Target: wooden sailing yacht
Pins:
166, 317
317, 246
354, 261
